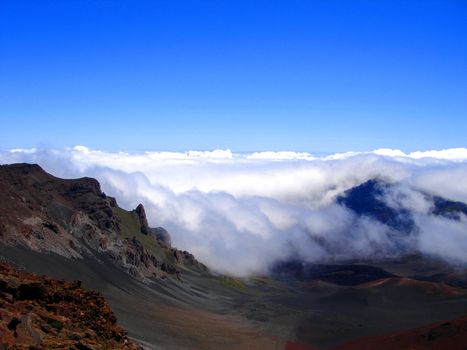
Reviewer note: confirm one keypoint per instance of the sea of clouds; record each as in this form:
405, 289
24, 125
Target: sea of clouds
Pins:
241, 213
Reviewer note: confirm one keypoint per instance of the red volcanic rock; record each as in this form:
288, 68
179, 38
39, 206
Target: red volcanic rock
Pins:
42, 313
450, 335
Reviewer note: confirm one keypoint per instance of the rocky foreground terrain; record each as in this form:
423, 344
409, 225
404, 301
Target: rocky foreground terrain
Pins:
165, 299
38, 312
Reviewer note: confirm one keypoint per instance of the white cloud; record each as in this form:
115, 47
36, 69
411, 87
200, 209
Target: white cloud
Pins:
443, 238
390, 152
242, 212
283, 155
456, 154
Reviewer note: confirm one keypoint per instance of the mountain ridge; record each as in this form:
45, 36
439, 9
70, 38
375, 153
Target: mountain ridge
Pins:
73, 217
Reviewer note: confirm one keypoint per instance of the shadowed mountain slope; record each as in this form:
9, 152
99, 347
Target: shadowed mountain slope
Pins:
366, 199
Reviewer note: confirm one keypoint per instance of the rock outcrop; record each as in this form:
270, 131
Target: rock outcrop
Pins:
42, 313
142, 220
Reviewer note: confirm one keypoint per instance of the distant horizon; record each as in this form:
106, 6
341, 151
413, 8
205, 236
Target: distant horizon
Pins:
379, 150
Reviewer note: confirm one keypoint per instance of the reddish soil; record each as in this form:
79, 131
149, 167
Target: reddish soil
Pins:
42, 313
450, 335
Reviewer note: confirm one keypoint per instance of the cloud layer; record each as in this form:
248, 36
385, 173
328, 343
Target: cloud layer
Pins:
239, 213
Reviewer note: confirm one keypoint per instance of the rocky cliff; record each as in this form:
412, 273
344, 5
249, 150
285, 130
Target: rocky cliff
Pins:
74, 218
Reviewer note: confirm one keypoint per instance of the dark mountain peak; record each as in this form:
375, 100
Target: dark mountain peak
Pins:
23, 175
19, 170
367, 199
23, 167
365, 195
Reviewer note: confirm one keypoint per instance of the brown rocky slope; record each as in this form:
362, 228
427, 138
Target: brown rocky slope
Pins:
38, 312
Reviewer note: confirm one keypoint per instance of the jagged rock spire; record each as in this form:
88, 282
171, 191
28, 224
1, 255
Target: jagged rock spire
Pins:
143, 221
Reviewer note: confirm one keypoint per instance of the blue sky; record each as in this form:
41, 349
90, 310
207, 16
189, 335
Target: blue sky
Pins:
317, 76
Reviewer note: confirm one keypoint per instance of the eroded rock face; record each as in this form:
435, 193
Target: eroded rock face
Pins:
74, 218
143, 221
43, 313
